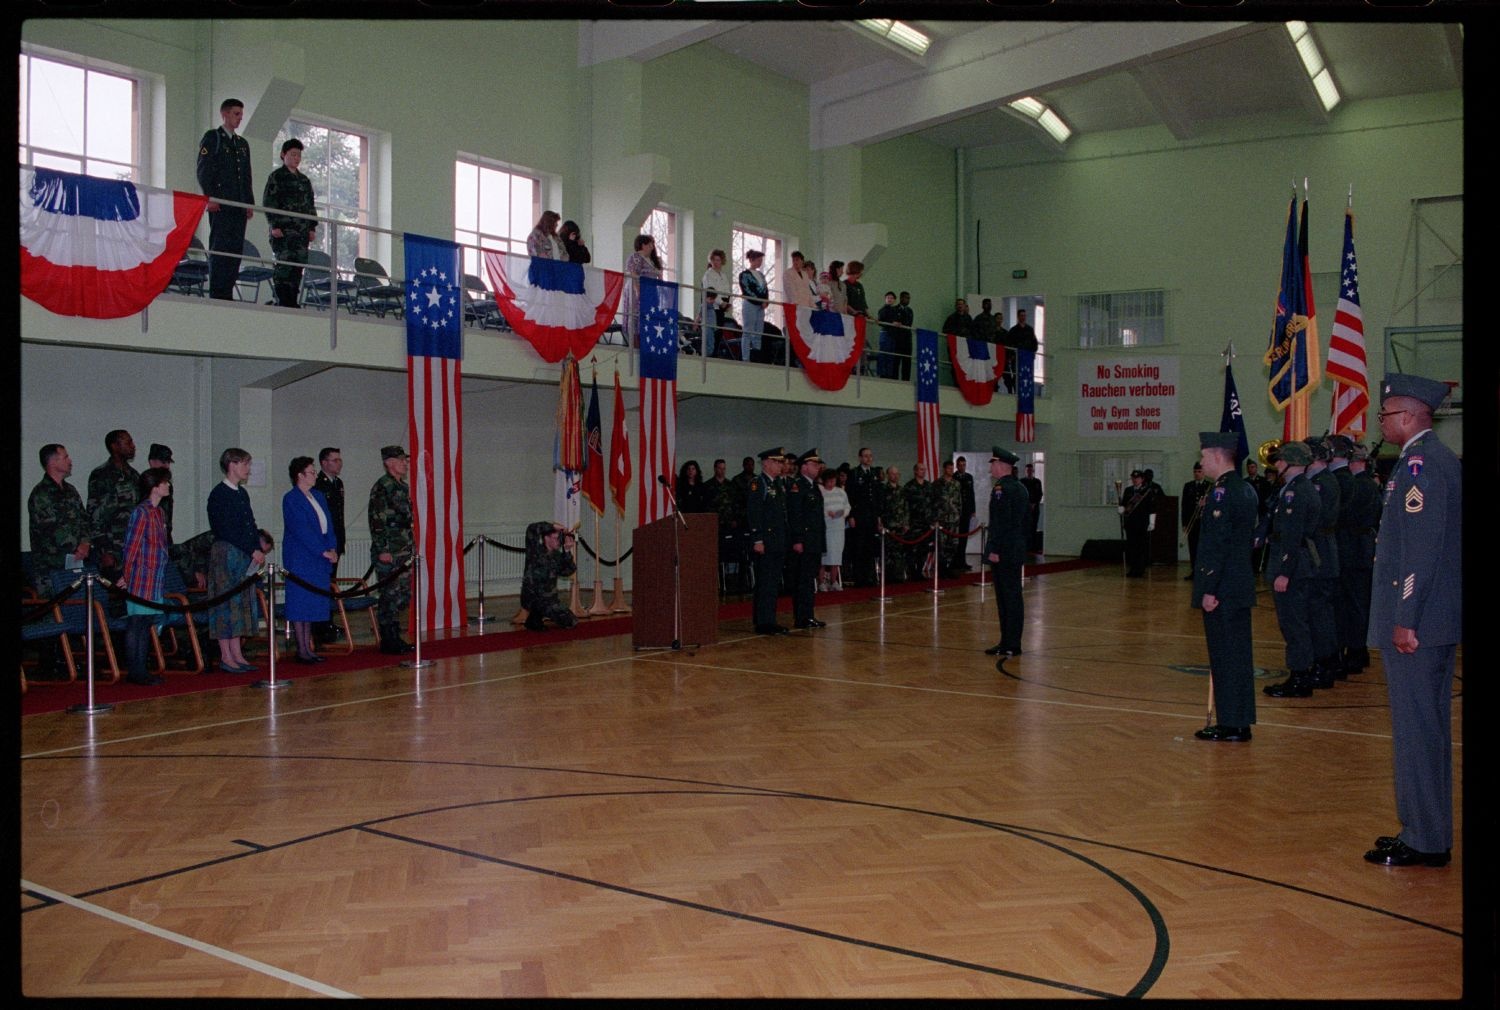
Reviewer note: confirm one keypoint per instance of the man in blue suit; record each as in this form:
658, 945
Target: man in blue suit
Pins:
1416, 612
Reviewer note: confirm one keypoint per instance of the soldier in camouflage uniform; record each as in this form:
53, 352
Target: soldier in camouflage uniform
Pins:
549, 556
948, 500
112, 497
921, 510
391, 546
289, 189
894, 518
60, 535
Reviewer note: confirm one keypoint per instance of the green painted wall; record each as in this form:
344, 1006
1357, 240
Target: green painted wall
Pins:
909, 186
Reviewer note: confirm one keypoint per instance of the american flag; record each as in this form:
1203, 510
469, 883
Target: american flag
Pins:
658, 397
927, 401
1025, 396
1346, 347
619, 451
434, 351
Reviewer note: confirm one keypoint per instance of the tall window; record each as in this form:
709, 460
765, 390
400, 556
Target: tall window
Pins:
743, 241
79, 119
1122, 318
494, 207
336, 160
1103, 476
661, 225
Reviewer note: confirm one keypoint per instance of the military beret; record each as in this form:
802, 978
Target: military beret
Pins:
1429, 391
775, 453
1295, 453
1340, 446
1004, 455
392, 452
1218, 440
810, 455
1318, 446
161, 452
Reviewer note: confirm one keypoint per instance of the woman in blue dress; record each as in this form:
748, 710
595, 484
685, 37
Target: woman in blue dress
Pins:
309, 550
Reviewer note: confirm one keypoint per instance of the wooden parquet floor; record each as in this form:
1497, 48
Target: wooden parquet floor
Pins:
868, 810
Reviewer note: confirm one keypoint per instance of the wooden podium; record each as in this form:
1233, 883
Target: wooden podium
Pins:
651, 591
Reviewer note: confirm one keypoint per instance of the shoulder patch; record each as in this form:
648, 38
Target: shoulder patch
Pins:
1218, 495
1414, 465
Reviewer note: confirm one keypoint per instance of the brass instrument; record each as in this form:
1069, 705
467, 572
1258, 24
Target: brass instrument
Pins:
1265, 449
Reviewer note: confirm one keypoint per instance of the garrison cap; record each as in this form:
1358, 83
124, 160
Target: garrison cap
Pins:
775, 453
810, 456
1295, 453
1004, 455
1429, 391
161, 452
1340, 446
1218, 440
392, 452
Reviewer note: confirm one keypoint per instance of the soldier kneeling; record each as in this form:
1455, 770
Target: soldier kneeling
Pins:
549, 556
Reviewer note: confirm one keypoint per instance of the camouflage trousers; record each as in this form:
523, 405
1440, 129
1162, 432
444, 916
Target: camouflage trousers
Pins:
395, 599
291, 253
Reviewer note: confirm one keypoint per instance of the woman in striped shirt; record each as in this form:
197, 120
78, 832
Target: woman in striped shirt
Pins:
146, 546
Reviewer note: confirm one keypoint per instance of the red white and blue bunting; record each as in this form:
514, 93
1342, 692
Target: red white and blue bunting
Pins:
559, 307
975, 365
98, 247
828, 344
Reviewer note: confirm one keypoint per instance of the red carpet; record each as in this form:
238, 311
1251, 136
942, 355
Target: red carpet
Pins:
55, 697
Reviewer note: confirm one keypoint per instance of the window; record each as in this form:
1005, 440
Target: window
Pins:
1122, 319
1103, 476
495, 207
79, 119
336, 160
661, 225
743, 241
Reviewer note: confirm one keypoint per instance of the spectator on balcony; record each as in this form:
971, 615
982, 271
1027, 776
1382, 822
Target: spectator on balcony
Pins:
643, 262
714, 300
802, 284
959, 323
224, 174
572, 238
289, 189
544, 242
903, 336
831, 284
890, 313
753, 308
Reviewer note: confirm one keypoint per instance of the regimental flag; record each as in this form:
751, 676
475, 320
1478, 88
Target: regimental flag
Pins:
1233, 418
1292, 355
568, 451
1346, 347
559, 307
619, 451
975, 367
593, 456
658, 447
434, 353
828, 344
927, 401
96, 247
1025, 396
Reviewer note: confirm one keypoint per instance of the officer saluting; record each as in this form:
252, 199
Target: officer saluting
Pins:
765, 503
224, 174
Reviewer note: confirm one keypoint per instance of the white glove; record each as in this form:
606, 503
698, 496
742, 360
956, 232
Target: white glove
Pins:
1120, 509
1151, 525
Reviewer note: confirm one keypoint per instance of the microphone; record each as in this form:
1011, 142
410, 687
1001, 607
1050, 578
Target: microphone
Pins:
661, 479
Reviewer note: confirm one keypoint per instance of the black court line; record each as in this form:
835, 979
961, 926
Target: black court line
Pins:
718, 786
42, 900
747, 917
249, 845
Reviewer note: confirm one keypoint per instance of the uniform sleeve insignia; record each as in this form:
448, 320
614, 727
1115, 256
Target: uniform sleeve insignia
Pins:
1390, 485
1409, 586
1288, 495
1217, 513
1218, 495
1413, 499
1414, 466
203, 151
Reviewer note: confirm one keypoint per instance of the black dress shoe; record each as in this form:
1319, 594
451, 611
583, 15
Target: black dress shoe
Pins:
1295, 686
994, 650
1386, 841
812, 622
1224, 734
1401, 854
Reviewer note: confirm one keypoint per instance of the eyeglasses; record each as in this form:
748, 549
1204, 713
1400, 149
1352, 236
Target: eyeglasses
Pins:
1387, 413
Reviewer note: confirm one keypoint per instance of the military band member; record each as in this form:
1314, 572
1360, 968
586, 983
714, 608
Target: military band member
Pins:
765, 506
1416, 612
1292, 559
1224, 586
807, 531
1138, 507
1193, 494
224, 174
1005, 549
1323, 593
390, 519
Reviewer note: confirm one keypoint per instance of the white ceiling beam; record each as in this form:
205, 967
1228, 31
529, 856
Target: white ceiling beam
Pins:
988, 67
642, 40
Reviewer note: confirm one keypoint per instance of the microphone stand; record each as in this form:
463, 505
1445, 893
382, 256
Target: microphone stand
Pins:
677, 527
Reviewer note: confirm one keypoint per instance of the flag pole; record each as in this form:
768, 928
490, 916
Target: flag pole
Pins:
599, 608
617, 605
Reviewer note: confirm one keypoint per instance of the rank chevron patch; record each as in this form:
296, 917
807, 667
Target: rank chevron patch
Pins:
1413, 499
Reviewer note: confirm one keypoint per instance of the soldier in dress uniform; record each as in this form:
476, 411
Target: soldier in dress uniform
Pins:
1359, 515
391, 546
224, 174
113, 495
864, 519
807, 532
765, 505
1323, 594
549, 556
1292, 559
1138, 507
1193, 494
1224, 586
1416, 618
289, 189
1005, 549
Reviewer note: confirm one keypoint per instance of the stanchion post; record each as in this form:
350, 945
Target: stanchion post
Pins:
90, 707
417, 662
271, 683
984, 564
481, 619
937, 557
883, 598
